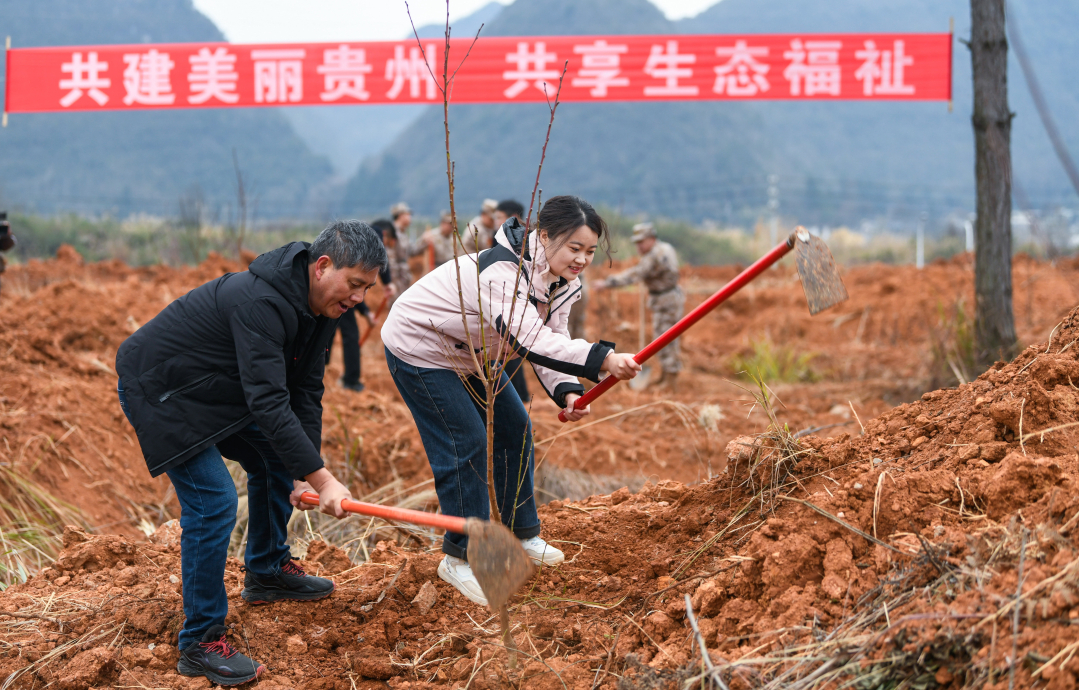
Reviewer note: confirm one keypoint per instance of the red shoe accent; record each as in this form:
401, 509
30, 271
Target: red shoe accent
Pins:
221, 646
290, 568
258, 672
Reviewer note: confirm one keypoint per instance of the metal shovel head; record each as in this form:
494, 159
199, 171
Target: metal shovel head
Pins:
640, 381
816, 268
498, 561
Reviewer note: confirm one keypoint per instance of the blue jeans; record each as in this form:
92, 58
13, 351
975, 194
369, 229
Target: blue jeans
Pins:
208, 503
453, 429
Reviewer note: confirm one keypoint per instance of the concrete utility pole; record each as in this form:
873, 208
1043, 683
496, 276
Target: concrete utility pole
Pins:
994, 321
773, 209
919, 241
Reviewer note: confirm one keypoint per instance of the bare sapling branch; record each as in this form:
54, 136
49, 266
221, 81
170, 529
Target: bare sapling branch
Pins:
241, 204
535, 188
488, 356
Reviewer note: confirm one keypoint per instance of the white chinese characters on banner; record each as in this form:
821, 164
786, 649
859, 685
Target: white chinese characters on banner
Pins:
600, 67
814, 65
413, 69
742, 74
278, 75
882, 70
666, 65
213, 75
344, 71
85, 78
146, 78
531, 68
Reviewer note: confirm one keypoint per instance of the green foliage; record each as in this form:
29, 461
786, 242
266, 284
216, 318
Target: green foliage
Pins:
695, 246
768, 361
142, 240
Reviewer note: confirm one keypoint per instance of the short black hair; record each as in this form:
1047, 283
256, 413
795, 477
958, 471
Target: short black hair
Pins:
349, 243
511, 208
386, 227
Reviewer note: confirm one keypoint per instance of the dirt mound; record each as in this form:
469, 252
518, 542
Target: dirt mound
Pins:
908, 553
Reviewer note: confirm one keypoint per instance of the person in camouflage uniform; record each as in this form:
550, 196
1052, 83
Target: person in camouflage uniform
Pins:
402, 248
479, 234
441, 239
7, 240
658, 270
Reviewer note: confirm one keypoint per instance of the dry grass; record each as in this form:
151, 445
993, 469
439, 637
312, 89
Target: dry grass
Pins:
31, 524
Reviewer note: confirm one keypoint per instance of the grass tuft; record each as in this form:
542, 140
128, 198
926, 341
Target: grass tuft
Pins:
774, 362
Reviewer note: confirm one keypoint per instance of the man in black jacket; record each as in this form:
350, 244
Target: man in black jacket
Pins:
234, 368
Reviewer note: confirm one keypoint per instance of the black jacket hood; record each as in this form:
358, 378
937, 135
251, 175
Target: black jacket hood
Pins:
285, 268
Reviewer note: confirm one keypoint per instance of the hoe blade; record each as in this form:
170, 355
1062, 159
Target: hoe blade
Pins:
498, 561
816, 268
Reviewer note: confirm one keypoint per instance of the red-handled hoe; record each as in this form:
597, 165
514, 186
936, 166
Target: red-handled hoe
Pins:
820, 280
498, 560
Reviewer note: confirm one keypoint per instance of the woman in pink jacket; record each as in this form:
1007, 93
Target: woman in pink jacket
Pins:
515, 298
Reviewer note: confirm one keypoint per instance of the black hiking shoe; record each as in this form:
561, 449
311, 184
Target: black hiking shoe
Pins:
356, 387
291, 584
216, 659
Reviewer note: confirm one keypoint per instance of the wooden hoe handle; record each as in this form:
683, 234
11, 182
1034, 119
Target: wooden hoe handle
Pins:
415, 517
378, 315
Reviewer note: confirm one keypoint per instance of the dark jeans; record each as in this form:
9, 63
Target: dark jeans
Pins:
208, 502
453, 429
350, 345
516, 370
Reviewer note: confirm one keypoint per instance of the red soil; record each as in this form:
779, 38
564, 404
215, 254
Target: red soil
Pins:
953, 486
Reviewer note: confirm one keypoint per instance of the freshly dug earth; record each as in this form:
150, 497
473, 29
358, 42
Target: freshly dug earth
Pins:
61, 423
971, 577
64, 433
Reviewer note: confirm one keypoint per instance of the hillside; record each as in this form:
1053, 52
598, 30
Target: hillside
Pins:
347, 134
120, 163
837, 162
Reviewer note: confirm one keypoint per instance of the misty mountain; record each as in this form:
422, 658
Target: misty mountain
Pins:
346, 134
123, 162
836, 162
909, 154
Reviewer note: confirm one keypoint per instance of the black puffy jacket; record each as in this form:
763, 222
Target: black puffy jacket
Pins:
244, 347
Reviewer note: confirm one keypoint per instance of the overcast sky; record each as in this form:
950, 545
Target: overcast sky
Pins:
284, 21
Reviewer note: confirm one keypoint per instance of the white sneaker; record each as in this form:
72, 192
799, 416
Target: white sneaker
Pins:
458, 573
541, 552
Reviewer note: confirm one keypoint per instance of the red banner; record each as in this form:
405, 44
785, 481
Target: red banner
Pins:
498, 70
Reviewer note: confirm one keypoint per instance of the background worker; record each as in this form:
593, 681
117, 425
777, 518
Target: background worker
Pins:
234, 368
403, 249
480, 232
441, 238
526, 309
509, 208
351, 354
515, 367
7, 240
658, 270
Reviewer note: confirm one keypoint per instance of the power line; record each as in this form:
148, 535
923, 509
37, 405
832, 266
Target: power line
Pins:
1039, 99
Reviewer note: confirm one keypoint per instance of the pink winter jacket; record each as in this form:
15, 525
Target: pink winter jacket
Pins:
424, 327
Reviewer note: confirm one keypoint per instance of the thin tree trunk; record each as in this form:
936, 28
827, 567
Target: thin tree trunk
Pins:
491, 386
994, 322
